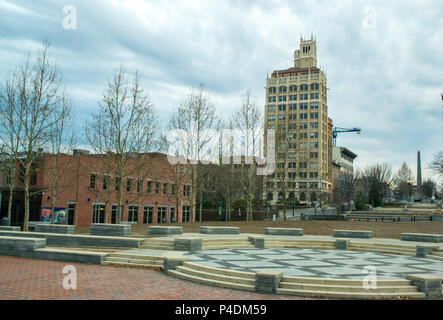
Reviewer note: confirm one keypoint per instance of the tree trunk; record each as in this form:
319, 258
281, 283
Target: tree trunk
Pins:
26, 189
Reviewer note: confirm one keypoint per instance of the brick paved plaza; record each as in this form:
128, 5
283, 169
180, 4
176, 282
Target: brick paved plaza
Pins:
30, 279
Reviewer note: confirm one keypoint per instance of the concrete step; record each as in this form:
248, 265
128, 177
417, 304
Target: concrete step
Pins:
217, 283
137, 261
227, 246
214, 276
343, 282
354, 295
157, 247
435, 257
387, 251
345, 288
232, 273
111, 263
134, 256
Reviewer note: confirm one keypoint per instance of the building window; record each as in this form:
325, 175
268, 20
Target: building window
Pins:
292, 97
293, 88
105, 181
147, 214
128, 184
314, 105
303, 106
186, 213
173, 189
117, 183
157, 187
303, 116
281, 117
271, 108
293, 106
165, 188
271, 117
186, 190
314, 86
133, 213
314, 125
303, 87
313, 135
98, 213
303, 125
272, 89
282, 89
282, 98
114, 213
281, 107
161, 214
139, 186
149, 186
92, 180
33, 180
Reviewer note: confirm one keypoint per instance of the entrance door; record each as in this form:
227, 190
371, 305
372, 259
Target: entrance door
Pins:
147, 214
98, 213
172, 214
71, 213
114, 213
161, 214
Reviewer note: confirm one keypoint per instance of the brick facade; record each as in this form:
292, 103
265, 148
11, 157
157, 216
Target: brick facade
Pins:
76, 188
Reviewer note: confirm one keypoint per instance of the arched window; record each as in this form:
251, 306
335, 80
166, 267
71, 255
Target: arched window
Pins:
313, 196
291, 195
302, 196
270, 196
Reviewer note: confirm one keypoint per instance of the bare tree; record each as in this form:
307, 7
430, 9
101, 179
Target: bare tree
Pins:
62, 140
193, 124
35, 99
247, 120
376, 178
437, 163
118, 127
403, 179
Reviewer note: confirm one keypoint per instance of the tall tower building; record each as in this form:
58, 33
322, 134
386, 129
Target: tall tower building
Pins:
296, 108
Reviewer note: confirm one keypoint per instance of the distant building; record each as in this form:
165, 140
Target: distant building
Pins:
85, 186
345, 159
296, 108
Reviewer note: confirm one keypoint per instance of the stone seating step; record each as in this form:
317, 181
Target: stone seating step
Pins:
343, 282
134, 256
435, 257
214, 276
227, 246
232, 273
387, 247
387, 251
111, 263
141, 261
225, 240
346, 288
354, 295
217, 283
135, 261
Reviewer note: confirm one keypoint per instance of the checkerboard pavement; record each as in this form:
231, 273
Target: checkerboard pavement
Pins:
317, 263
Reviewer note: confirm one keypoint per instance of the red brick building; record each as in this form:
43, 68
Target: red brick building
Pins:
87, 191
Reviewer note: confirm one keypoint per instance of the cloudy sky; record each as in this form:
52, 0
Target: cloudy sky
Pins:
383, 59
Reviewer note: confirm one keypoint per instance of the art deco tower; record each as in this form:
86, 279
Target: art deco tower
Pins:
296, 107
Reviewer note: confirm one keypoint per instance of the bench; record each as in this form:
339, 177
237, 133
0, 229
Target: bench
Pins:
353, 234
8, 245
54, 228
422, 237
219, 230
103, 229
284, 231
164, 231
10, 228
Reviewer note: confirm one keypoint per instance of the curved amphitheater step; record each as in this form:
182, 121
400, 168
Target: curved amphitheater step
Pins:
215, 276
292, 243
158, 244
343, 288
209, 244
383, 248
437, 255
127, 259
